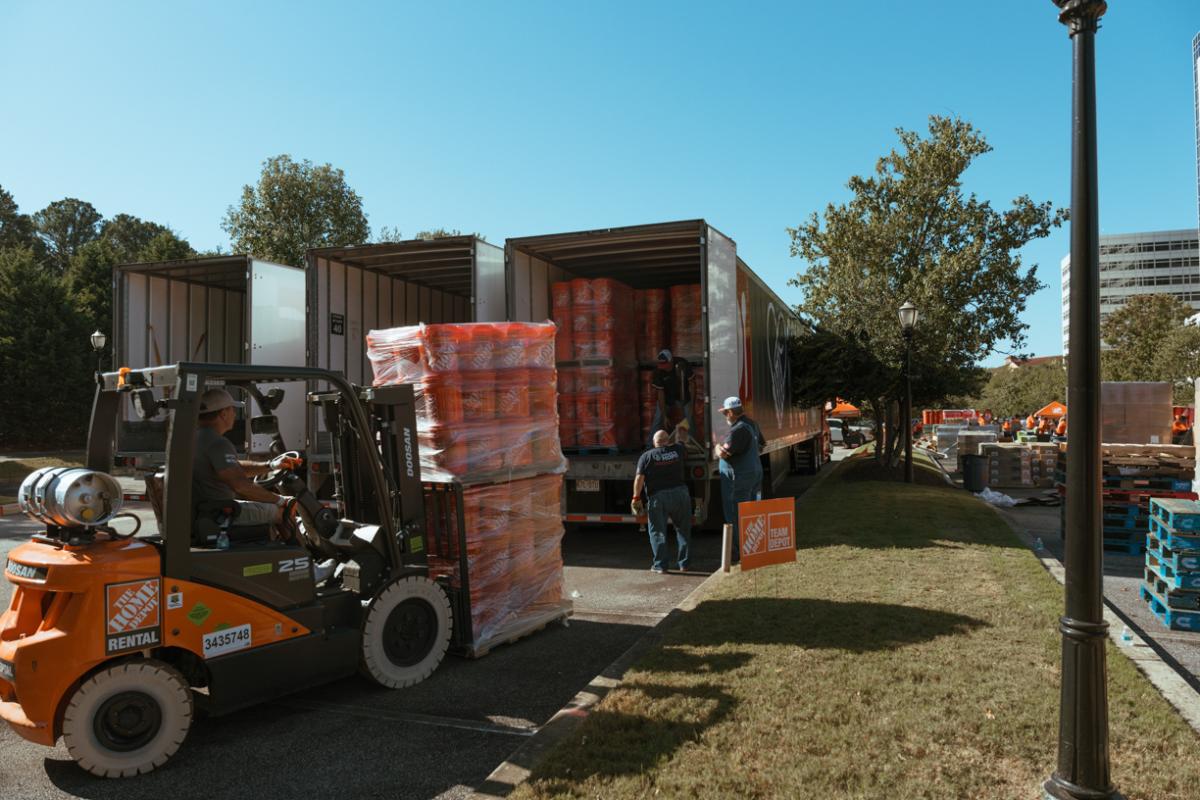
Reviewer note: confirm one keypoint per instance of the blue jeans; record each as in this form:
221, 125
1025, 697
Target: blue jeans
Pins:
660, 424
734, 490
677, 505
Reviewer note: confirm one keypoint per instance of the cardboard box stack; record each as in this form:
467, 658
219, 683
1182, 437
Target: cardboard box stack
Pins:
969, 442
1013, 465
1135, 412
486, 424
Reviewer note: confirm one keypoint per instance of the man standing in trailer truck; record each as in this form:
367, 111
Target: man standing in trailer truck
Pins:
672, 382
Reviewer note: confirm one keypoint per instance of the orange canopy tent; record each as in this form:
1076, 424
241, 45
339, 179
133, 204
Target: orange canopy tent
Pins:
844, 409
1054, 410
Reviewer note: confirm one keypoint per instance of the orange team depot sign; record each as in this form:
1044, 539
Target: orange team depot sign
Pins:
767, 531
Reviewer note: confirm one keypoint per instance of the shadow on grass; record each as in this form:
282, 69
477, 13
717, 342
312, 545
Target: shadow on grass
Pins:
619, 741
816, 623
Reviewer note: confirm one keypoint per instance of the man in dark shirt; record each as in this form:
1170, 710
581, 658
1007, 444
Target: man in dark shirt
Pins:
661, 472
218, 475
672, 382
740, 465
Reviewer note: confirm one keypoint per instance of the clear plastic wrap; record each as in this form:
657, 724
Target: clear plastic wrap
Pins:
596, 407
485, 396
414, 352
513, 539
687, 332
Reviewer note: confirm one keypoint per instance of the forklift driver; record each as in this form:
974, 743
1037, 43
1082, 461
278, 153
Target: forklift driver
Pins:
217, 474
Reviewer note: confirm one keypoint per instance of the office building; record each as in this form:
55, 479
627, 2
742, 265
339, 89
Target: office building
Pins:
1155, 262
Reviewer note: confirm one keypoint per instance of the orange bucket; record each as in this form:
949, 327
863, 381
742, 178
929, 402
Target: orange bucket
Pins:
585, 344
446, 405
541, 396
477, 350
568, 433
484, 453
444, 343
479, 396
604, 344
510, 347
560, 295
512, 394
564, 343
581, 292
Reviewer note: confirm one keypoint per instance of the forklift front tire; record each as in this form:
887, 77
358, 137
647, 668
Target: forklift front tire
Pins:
406, 632
128, 718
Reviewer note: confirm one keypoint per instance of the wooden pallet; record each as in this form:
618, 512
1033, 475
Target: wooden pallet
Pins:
1168, 574
1173, 538
1178, 560
520, 629
1180, 599
1173, 618
1177, 514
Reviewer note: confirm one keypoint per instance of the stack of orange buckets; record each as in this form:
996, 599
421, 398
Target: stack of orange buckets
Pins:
687, 332
596, 373
486, 423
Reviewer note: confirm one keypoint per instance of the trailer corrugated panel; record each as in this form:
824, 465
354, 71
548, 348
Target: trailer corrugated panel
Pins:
353, 290
231, 309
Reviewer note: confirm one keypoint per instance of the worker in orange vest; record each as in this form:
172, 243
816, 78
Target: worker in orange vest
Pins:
1007, 427
1045, 426
1030, 423
1179, 429
1061, 429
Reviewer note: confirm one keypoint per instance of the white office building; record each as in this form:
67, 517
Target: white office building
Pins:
1155, 262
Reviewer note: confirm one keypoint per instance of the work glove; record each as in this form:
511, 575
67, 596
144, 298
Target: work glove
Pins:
285, 462
638, 507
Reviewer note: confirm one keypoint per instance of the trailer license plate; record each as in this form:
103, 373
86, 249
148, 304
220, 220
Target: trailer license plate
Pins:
588, 485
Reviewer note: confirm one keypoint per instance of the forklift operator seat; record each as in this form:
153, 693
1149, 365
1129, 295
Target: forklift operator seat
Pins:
210, 519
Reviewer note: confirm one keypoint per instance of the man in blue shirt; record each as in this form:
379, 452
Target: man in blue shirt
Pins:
661, 472
740, 466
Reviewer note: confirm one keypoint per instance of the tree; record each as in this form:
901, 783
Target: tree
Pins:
1023, 390
295, 207
89, 283
65, 226
388, 234
1134, 334
1178, 359
910, 232
16, 229
130, 235
446, 233
44, 352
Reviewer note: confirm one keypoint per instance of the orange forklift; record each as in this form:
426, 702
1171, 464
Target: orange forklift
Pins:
114, 640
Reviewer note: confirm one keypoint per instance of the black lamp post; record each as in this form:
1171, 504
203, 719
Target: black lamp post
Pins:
98, 341
908, 321
1083, 766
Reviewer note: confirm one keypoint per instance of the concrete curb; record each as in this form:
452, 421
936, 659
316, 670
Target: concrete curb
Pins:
1165, 678
517, 768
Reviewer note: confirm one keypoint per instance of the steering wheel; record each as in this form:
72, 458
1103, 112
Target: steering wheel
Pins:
271, 479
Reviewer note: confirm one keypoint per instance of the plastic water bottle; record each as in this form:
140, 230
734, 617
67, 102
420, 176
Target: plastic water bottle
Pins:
222, 541
1126, 635
1037, 544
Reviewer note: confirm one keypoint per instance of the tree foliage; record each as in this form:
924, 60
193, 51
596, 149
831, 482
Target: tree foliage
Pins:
43, 353
65, 226
16, 229
911, 232
1146, 340
1023, 390
294, 207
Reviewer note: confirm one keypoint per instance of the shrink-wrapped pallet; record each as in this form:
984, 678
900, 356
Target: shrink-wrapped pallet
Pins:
687, 330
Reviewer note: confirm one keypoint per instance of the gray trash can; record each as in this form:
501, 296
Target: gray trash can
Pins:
974, 473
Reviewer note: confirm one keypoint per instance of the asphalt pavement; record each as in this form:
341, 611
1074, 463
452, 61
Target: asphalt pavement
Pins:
439, 739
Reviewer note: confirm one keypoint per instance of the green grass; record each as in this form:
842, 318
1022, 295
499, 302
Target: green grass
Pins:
13, 470
911, 652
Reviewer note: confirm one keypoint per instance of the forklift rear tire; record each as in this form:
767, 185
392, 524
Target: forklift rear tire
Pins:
128, 718
406, 633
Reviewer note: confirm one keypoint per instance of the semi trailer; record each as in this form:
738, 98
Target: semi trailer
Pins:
746, 331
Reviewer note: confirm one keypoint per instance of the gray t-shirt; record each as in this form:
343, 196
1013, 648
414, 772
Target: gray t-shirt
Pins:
213, 453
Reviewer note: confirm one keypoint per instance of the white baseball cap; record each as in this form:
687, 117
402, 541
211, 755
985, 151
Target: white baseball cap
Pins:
732, 404
217, 399
664, 355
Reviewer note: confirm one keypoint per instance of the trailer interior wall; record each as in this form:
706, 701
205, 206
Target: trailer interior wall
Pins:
352, 290
230, 309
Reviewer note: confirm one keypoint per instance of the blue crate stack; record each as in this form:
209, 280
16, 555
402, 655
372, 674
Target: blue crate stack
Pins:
1172, 576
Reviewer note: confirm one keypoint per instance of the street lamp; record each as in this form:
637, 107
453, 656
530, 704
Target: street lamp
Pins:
1083, 766
98, 341
908, 321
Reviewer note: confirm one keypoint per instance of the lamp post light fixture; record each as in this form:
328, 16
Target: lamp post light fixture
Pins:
1083, 765
908, 320
98, 342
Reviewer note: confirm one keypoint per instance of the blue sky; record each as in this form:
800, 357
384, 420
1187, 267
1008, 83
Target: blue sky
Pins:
535, 117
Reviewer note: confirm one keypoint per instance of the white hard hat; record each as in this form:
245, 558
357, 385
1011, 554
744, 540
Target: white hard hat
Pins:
732, 404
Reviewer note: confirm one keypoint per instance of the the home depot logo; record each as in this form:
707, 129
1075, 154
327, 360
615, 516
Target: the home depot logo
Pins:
132, 616
768, 532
